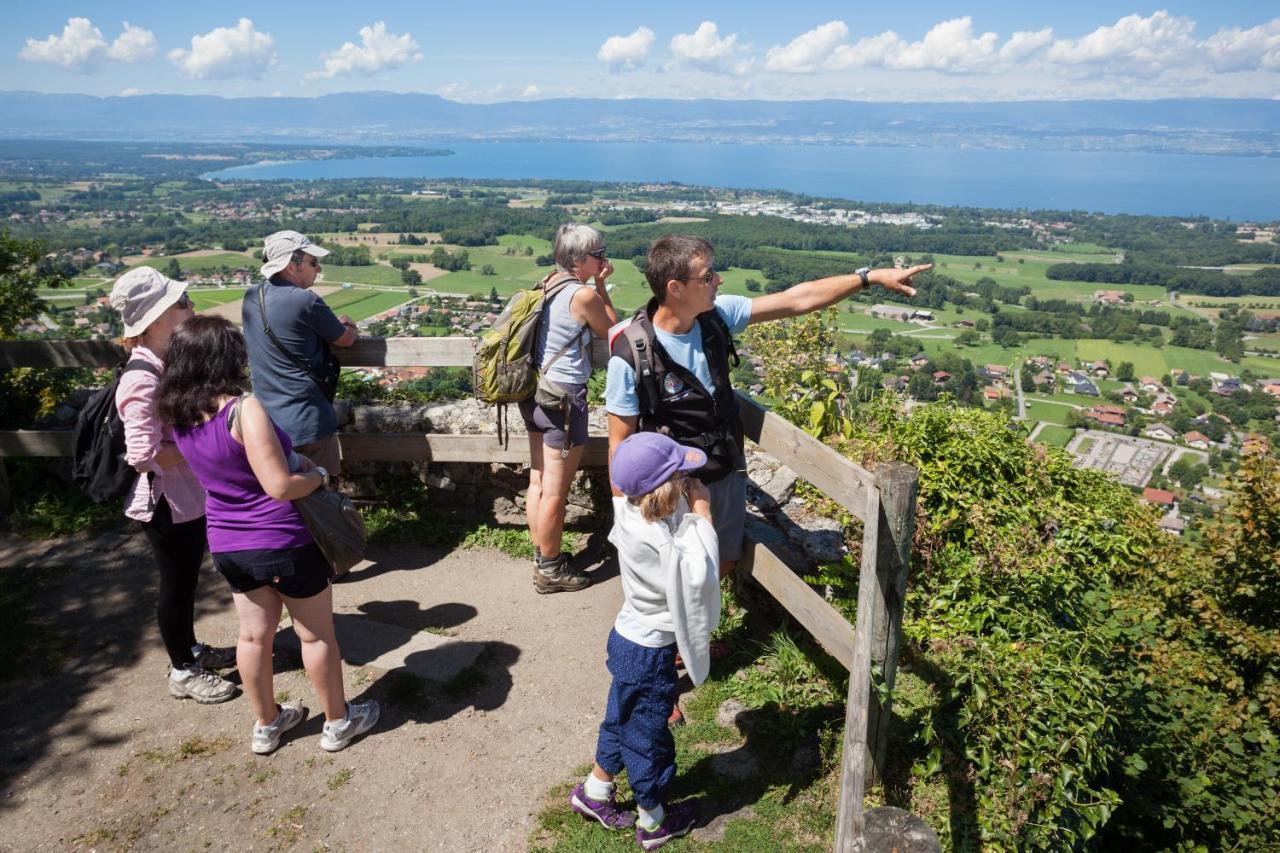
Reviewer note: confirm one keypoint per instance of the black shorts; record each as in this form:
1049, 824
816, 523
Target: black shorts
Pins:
299, 572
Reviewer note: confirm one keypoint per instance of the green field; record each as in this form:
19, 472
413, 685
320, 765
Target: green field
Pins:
360, 304
1040, 411
379, 274
1055, 436
208, 298
205, 263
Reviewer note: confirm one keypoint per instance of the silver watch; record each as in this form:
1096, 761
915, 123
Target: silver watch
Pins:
324, 475
861, 273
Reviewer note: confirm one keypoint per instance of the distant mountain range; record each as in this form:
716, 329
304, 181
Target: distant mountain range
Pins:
1223, 126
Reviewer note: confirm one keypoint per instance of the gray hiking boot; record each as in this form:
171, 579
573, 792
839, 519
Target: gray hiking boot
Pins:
555, 575
266, 738
361, 716
207, 688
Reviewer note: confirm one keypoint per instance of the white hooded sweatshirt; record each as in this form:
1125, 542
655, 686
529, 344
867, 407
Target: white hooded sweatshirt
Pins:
670, 579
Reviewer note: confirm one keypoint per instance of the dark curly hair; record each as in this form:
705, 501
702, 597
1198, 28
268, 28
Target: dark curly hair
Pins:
207, 360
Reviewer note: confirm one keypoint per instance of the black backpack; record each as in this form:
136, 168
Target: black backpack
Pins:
98, 466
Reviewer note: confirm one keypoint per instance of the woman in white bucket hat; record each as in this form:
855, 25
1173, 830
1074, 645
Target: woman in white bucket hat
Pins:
166, 499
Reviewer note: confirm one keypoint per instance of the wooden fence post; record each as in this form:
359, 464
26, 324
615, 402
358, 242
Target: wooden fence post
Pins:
899, 484
886, 555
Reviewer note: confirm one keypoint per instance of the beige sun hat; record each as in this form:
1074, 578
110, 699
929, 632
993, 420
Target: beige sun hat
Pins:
141, 295
278, 249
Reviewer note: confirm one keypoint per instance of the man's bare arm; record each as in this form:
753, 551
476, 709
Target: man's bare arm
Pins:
816, 295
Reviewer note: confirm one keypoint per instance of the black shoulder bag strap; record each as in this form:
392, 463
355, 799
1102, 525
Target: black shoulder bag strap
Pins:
266, 325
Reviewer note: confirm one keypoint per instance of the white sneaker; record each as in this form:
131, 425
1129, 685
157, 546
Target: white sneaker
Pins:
361, 716
267, 738
207, 688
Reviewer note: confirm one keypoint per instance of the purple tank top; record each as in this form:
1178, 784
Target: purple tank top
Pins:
241, 516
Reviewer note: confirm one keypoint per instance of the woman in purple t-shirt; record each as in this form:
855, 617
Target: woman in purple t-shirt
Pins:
259, 542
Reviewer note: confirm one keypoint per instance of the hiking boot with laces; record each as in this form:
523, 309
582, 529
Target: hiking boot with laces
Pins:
605, 811
338, 734
208, 657
207, 688
266, 738
555, 575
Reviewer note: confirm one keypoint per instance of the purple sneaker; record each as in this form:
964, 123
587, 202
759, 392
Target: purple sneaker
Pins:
678, 820
605, 811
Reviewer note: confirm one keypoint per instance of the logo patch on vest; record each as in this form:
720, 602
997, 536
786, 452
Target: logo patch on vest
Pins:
672, 384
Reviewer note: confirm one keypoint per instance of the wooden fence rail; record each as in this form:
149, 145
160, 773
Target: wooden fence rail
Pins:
883, 501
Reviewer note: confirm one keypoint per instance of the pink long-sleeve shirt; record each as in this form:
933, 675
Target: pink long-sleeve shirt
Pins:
143, 436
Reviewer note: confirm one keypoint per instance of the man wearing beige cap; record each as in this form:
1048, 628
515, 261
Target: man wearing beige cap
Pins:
289, 331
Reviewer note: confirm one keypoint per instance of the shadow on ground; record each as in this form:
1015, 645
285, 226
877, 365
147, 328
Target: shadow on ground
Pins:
74, 614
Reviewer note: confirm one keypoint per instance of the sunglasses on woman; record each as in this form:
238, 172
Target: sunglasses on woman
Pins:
183, 302
599, 254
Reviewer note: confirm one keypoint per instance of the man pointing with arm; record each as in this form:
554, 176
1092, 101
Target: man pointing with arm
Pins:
669, 364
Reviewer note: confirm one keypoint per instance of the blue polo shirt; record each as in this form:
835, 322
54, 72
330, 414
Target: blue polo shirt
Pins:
304, 324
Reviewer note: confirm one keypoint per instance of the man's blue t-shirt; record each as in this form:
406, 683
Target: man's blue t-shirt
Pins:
686, 350
304, 324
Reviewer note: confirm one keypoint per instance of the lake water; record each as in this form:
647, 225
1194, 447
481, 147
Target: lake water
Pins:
1161, 184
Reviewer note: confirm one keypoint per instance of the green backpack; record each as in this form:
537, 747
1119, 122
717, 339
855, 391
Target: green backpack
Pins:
504, 370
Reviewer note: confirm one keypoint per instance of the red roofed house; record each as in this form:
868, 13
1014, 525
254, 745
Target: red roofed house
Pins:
1196, 439
941, 376
1106, 418
1158, 496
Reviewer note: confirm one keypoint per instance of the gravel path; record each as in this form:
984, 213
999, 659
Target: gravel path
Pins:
491, 695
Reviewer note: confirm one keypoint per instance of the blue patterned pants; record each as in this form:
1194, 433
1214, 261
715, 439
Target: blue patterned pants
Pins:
634, 734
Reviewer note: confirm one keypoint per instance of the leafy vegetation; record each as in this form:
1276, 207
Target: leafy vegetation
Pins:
1087, 681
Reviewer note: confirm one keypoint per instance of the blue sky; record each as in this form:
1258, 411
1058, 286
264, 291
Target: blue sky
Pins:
483, 52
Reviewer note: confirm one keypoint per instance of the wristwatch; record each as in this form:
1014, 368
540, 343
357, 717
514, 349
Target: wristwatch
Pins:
861, 273
324, 475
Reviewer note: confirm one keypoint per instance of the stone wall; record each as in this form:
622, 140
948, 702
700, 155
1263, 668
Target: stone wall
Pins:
493, 490
777, 515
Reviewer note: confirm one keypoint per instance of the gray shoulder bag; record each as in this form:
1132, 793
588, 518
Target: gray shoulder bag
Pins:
331, 518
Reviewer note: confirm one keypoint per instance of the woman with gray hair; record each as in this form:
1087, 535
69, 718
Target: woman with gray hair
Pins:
556, 416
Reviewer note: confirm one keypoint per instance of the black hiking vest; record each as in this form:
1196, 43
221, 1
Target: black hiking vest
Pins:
673, 401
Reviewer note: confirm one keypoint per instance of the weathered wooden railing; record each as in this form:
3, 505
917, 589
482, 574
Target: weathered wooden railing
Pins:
883, 501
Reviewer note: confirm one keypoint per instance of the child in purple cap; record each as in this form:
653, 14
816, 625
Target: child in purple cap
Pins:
668, 556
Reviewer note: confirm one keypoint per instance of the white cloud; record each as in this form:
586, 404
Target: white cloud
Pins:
131, 92
705, 50
950, 46
531, 91
225, 52
133, 45
82, 46
626, 52
805, 53
1241, 50
378, 50
1133, 45
1024, 45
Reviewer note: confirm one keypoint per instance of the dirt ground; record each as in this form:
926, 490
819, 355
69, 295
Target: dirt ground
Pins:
491, 694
